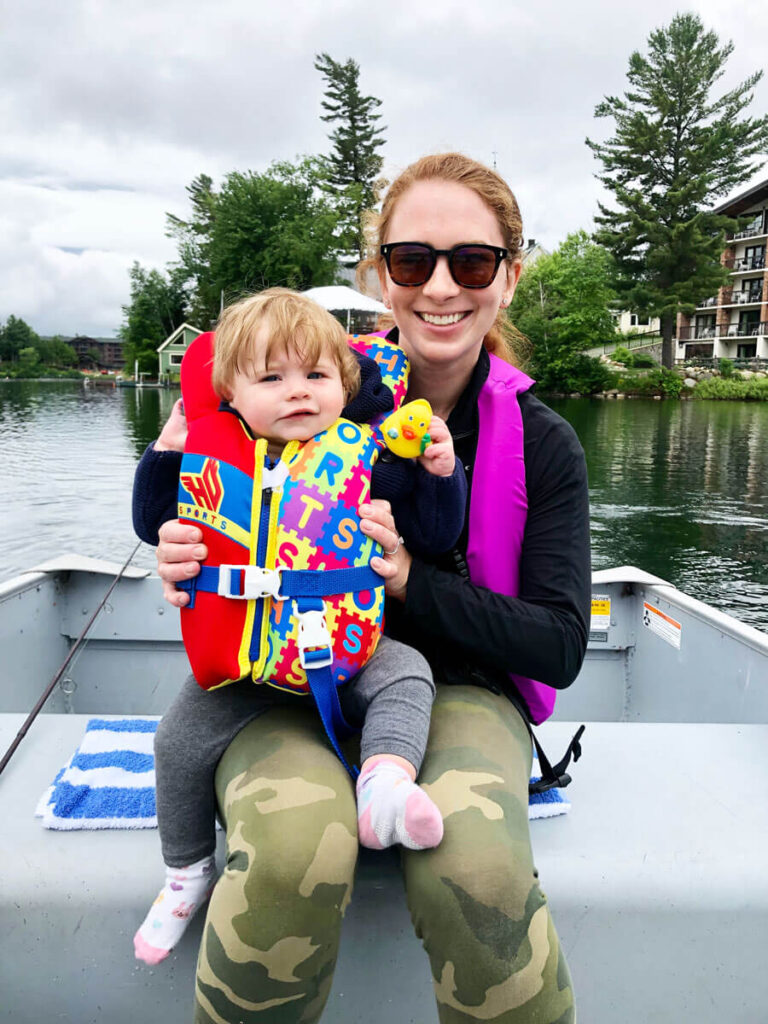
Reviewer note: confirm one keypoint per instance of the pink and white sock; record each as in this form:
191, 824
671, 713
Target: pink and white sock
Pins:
184, 890
393, 809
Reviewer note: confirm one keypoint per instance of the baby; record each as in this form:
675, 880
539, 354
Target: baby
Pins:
283, 367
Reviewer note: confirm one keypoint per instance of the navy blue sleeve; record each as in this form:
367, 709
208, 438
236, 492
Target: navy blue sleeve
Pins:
373, 398
428, 509
155, 492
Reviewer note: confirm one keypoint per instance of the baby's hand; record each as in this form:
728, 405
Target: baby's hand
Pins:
439, 458
173, 436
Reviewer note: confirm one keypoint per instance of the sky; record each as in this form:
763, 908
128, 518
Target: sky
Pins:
109, 109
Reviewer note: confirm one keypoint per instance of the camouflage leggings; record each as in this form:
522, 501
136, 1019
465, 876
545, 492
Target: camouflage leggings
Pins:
271, 937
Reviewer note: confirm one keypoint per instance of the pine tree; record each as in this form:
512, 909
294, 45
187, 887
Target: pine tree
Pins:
354, 163
675, 150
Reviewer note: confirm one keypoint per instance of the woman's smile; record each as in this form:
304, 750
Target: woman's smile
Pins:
441, 319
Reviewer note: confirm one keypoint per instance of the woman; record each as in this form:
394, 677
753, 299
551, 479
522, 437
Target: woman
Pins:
507, 607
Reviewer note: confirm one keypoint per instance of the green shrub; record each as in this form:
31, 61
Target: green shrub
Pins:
573, 373
657, 382
641, 361
623, 355
726, 367
720, 388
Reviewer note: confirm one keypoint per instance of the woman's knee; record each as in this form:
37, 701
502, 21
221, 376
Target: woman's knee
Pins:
290, 813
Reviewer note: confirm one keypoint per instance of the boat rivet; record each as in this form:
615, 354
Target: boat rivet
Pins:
161, 611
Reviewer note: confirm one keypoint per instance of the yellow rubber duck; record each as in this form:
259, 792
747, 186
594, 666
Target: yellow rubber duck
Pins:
405, 430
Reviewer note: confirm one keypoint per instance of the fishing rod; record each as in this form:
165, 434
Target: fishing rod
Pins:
63, 667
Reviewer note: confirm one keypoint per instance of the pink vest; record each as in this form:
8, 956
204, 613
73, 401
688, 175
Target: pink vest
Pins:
499, 504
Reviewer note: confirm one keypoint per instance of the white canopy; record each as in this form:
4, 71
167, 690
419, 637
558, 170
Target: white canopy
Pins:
337, 297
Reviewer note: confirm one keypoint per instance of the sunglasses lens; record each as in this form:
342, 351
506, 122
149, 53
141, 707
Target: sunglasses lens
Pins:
473, 266
410, 264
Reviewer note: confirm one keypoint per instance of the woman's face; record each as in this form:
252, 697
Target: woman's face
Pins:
440, 322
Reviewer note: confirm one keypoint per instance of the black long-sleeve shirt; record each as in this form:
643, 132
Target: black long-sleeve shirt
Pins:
469, 633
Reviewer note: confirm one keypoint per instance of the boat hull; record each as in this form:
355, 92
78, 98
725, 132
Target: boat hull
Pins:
656, 878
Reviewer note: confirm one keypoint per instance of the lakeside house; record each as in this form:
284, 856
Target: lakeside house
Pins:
627, 321
734, 323
171, 351
532, 251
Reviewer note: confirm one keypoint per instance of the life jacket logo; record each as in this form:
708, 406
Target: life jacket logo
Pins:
206, 488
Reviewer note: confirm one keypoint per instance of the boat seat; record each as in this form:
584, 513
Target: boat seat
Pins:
658, 881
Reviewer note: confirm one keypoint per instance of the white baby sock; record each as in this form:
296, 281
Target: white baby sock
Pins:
184, 890
393, 809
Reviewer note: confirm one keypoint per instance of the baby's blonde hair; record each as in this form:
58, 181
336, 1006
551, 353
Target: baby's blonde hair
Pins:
294, 323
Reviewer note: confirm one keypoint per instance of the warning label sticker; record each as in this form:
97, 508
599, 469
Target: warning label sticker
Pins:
662, 625
601, 612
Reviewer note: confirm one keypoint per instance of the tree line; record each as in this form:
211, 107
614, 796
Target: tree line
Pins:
287, 225
676, 148
25, 350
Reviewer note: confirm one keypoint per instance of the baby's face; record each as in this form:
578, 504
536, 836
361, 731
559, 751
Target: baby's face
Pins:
288, 400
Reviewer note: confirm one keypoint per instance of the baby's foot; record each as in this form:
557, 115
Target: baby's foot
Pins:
393, 809
184, 890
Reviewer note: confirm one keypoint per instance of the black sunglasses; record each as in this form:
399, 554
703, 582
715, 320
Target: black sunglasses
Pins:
411, 264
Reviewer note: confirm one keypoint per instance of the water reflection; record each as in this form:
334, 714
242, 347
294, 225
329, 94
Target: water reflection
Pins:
69, 454
145, 409
681, 489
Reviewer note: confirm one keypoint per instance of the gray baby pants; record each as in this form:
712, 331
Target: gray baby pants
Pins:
391, 697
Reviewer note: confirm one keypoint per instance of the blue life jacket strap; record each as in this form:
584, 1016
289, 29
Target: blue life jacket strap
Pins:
288, 583
323, 689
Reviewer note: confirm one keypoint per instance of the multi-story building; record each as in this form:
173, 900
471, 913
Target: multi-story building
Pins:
105, 353
734, 323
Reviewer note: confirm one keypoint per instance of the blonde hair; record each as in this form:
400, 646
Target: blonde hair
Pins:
294, 323
503, 339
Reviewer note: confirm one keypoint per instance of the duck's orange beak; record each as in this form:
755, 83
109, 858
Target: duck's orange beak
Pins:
408, 433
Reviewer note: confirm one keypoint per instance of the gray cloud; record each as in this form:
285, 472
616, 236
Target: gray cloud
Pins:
108, 110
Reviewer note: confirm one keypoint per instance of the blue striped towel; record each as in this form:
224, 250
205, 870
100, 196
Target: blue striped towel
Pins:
109, 782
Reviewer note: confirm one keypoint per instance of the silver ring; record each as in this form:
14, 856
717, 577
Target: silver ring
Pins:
396, 548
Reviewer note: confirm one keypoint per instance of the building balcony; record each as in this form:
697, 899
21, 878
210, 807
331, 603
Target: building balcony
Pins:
744, 297
696, 333
754, 230
711, 301
722, 331
742, 264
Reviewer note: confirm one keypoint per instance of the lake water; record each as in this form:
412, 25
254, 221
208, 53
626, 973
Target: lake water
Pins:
677, 488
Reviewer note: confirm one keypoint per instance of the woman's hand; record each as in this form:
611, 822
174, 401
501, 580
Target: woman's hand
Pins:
377, 522
173, 436
179, 554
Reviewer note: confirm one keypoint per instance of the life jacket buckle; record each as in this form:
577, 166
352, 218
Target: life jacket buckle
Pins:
249, 582
314, 640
